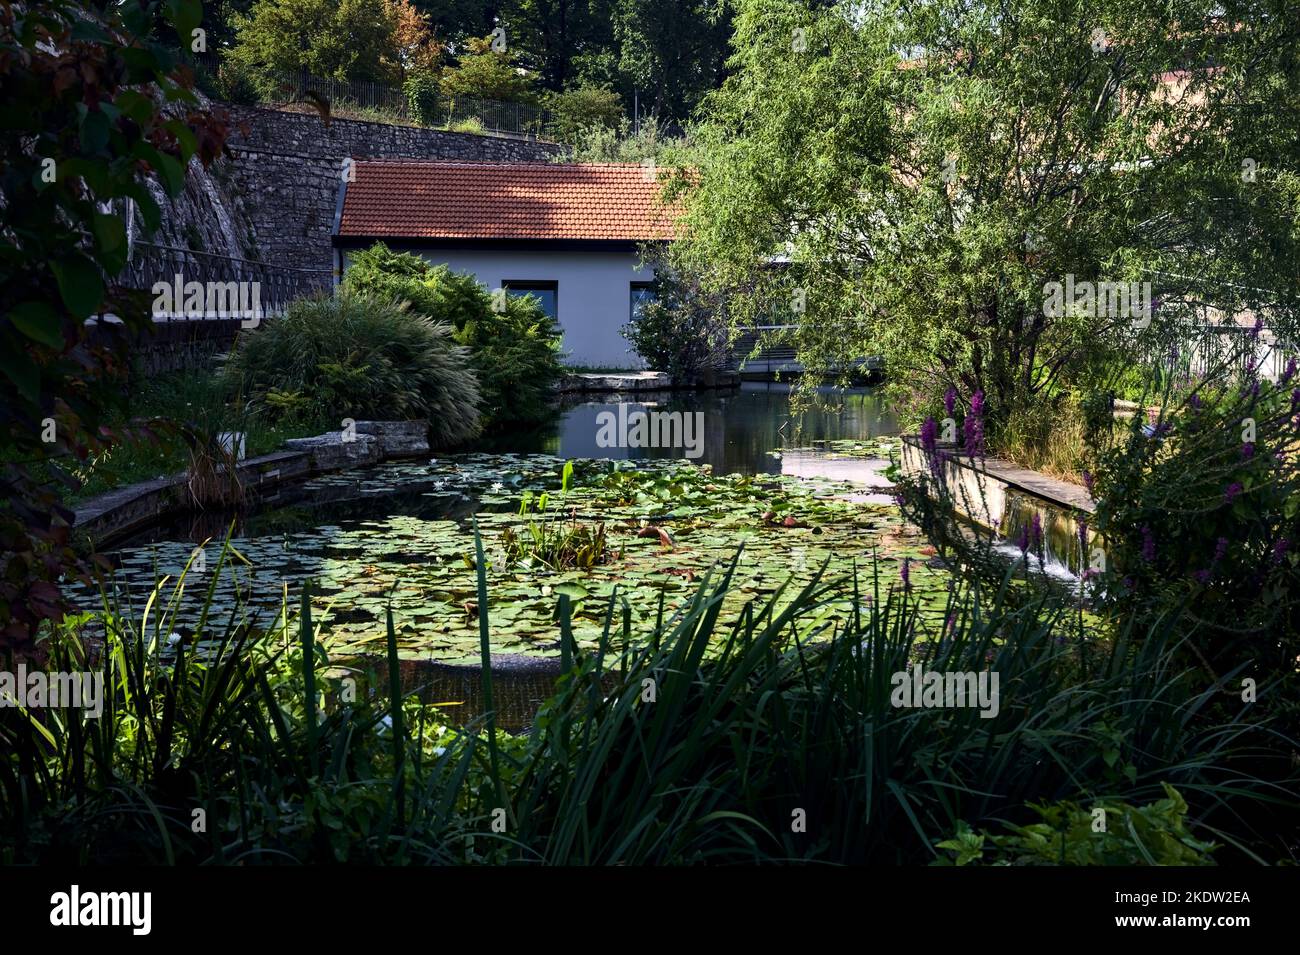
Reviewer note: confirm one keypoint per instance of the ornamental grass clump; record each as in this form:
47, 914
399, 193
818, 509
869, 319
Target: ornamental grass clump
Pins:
357, 355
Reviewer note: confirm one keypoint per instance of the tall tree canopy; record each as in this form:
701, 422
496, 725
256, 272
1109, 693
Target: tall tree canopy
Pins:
924, 170
335, 39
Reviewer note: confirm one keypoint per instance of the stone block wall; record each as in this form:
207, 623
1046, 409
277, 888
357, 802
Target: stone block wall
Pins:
289, 167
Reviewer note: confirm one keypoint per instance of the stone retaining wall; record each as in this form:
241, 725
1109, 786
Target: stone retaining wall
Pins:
289, 167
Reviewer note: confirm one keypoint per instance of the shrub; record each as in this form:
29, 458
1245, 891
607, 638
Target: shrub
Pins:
1201, 510
234, 84
421, 91
682, 330
1155, 834
514, 347
359, 356
483, 73
583, 108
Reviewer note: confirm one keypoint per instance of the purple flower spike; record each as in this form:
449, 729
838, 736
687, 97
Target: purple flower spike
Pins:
1087, 480
905, 573
1037, 531
1023, 541
1247, 451
977, 403
1220, 549
949, 400
1279, 549
1289, 371
1148, 545
929, 435
1232, 491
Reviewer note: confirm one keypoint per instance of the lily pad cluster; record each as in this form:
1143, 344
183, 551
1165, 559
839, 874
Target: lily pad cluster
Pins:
405, 540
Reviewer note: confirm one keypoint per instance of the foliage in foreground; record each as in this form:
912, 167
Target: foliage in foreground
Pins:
358, 356
513, 345
96, 112
657, 753
1069, 834
1201, 511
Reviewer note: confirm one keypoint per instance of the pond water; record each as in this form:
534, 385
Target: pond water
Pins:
795, 490
745, 431
749, 431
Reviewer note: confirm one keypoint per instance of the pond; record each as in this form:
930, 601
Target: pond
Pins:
804, 495
400, 535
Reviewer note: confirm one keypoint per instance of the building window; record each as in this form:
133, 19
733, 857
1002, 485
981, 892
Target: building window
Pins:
641, 293
548, 293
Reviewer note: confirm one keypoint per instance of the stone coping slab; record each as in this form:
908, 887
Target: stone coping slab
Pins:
1061, 493
123, 510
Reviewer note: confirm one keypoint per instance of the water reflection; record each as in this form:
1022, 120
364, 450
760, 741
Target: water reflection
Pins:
741, 430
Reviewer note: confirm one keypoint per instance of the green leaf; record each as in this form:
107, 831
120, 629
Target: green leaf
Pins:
185, 15
80, 284
39, 322
110, 237
136, 106
19, 369
94, 131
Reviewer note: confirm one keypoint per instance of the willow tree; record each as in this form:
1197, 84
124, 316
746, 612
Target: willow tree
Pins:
908, 179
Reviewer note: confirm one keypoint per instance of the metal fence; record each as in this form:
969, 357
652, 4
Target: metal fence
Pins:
272, 286
1201, 349
494, 116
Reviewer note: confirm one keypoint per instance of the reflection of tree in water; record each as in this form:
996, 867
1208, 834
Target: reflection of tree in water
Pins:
742, 426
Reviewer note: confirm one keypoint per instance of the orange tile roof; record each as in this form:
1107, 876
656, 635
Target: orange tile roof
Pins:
457, 200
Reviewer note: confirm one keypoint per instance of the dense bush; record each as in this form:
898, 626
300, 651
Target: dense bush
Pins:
682, 330
359, 356
421, 91
1200, 511
583, 108
513, 345
481, 72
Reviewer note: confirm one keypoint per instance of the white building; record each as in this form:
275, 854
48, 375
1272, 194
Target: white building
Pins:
568, 233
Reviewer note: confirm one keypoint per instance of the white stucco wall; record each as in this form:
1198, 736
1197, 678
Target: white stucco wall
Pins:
593, 297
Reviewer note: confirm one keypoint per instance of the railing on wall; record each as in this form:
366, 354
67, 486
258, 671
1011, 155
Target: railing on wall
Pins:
180, 337
275, 285
300, 86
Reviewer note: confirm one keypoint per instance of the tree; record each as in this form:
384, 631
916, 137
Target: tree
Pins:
582, 109
414, 42
82, 94
484, 73
332, 39
671, 51
911, 179
550, 33
680, 328
459, 20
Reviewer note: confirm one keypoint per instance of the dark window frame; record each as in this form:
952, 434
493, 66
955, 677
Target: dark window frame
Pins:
632, 289
534, 285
